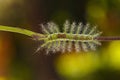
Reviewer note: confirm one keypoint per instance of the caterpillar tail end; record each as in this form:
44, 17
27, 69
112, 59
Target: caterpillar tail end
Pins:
38, 37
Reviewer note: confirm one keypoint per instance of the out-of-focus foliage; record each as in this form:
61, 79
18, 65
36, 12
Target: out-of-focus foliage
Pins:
76, 65
114, 54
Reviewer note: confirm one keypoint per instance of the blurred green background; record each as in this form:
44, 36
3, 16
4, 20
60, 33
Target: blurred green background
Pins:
17, 61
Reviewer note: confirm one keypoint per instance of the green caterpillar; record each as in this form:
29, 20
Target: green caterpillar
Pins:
74, 37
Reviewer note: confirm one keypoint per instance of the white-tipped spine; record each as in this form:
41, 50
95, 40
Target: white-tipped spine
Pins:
97, 34
97, 42
44, 29
92, 31
66, 26
84, 47
77, 46
86, 28
38, 49
53, 47
57, 47
73, 25
54, 27
92, 47
79, 28
48, 48
64, 46
69, 46
50, 26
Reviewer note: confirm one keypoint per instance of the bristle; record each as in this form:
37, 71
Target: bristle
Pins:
54, 44
97, 34
92, 31
91, 45
49, 46
73, 25
44, 29
44, 45
69, 46
58, 44
64, 46
97, 43
50, 27
79, 27
84, 46
66, 26
57, 47
60, 47
53, 47
38, 49
86, 28
56, 28
53, 28
77, 46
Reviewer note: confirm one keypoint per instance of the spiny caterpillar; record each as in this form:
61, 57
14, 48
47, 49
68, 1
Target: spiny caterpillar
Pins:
73, 37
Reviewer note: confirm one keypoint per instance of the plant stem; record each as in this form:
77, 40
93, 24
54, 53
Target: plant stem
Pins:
107, 38
20, 30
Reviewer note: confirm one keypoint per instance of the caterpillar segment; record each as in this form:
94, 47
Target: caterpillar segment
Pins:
80, 36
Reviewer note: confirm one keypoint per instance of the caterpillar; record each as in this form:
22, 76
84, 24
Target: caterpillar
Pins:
73, 37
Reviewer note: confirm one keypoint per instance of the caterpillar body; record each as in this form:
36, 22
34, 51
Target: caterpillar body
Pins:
73, 38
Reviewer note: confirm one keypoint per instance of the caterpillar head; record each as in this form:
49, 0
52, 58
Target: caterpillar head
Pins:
74, 37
